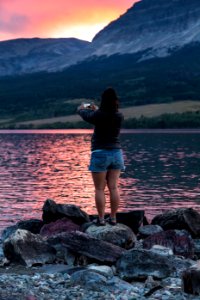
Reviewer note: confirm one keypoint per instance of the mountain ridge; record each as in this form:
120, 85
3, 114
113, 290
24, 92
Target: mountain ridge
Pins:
155, 28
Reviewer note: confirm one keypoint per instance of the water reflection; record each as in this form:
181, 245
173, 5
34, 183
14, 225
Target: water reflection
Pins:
162, 171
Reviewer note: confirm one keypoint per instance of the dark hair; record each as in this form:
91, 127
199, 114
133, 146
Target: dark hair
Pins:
109, 101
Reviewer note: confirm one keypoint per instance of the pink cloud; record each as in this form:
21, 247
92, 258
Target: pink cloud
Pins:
28, 18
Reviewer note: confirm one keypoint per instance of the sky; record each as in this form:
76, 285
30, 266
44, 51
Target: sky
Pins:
58, 18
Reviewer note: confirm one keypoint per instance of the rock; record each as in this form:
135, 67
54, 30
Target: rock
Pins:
180, 264
147, 230
164, 251
63, 255
96, 282
181, 218
120, 234
179, 241
103, 270
28, 249
197, 248
52, 212
32, 225
59, 226
88, 278
84, 244
133, 219
139, 264
191, 280
8, 231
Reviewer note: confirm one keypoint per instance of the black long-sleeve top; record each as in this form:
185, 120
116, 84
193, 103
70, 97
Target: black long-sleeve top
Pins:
106, 128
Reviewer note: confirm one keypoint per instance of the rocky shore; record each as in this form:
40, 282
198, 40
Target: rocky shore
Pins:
66, 256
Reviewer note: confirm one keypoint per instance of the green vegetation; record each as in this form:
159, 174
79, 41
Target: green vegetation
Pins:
158, 80
165, 121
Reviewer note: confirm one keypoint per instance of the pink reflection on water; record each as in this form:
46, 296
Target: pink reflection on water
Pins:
35, 167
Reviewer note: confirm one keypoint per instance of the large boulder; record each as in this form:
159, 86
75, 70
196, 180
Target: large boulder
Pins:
191, 280
59, 226
139, 264
84, 244
133, 219
179, 241
28, 249
180, 218
53, 212
120, 235
32, 225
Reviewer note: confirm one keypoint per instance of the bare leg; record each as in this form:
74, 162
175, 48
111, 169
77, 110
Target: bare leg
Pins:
112, 182
99, 180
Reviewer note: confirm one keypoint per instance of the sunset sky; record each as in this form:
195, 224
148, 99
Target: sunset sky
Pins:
62, 18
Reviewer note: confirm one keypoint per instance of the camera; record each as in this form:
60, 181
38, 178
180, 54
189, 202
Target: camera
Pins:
86, 105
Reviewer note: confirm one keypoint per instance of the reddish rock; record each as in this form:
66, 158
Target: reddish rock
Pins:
179, 241
181, 218
62, 225
191, 280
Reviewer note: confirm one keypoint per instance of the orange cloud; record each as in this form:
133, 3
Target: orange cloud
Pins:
50, 18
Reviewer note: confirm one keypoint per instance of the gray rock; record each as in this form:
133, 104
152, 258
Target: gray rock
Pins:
8, 231
28, 249
139, 264
89, 279
82, 243
120, 235
94, 281
164, 251
32, 225
103, 270
179, 264
53, 212
148, 230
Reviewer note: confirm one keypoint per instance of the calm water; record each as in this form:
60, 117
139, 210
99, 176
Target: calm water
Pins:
162, 172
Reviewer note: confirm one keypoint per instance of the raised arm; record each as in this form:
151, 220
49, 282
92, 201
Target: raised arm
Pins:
88, 115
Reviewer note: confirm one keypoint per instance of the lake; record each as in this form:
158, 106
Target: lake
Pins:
162, 171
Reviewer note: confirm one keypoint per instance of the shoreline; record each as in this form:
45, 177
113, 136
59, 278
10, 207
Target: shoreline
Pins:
89, 131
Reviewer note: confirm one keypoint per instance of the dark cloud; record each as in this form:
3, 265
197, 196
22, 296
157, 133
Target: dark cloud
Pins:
16, 23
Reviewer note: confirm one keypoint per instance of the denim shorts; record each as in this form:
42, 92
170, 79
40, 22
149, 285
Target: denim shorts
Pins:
103, 160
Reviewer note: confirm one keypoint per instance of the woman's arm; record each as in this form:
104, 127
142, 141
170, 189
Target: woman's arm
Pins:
88, 114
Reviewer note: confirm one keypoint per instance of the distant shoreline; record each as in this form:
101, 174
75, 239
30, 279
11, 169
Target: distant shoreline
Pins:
89, 131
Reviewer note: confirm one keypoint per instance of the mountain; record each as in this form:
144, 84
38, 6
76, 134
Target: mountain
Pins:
150, 55
158, 26
153, 28
35, 55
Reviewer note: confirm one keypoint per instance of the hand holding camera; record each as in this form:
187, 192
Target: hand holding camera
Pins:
90, 106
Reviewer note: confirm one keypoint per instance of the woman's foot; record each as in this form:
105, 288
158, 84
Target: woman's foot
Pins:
112, 221
99, 222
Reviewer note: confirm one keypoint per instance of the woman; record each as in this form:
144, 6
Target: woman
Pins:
106, 158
